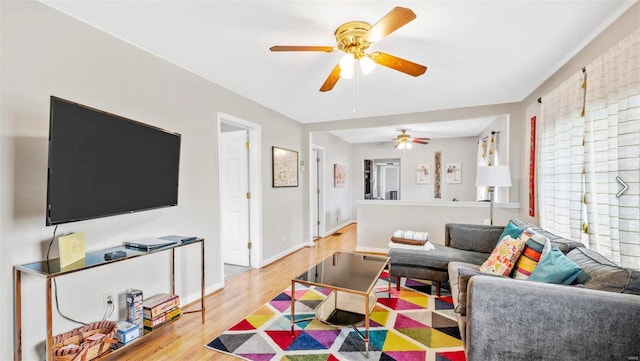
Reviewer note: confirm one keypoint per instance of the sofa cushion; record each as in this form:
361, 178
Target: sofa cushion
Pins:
465, 272
565, 245
555, 267
438, 258
504, 256
599, 273
469, 237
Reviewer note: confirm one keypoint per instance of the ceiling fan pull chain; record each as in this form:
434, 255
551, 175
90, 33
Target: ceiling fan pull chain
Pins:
356, 86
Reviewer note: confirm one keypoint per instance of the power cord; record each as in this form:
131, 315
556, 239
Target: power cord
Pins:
108, 311
55, 284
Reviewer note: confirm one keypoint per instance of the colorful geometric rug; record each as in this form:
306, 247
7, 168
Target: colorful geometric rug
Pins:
411, 325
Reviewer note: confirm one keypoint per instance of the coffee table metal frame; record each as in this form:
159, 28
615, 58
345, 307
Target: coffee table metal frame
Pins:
368, 298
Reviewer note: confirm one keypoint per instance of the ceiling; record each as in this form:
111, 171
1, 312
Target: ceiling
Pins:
477, 52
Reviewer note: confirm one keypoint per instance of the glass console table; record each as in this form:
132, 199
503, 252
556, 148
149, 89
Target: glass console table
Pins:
51, 269
351, 277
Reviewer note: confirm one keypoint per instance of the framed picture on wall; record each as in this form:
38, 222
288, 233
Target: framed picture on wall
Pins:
423, 173
454, 173
339, 175
285, 167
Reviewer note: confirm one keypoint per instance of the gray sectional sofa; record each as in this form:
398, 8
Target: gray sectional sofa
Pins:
500, 318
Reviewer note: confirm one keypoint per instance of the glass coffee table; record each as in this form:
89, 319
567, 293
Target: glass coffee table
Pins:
351, 277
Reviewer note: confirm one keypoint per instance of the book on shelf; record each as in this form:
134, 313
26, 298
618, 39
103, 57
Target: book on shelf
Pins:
159, 304
168, 316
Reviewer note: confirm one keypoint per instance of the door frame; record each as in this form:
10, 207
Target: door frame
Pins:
255, 186
322, 228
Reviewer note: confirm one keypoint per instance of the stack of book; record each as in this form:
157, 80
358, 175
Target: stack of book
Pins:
160, 309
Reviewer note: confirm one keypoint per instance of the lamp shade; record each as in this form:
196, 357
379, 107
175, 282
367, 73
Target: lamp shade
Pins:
493, 176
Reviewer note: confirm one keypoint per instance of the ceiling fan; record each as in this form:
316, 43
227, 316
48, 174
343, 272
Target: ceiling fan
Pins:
404, 140
354, 37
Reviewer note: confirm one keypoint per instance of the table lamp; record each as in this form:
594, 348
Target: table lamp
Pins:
493, 176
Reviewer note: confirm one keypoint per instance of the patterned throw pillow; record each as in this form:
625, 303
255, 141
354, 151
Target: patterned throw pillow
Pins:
504, 256
535, 245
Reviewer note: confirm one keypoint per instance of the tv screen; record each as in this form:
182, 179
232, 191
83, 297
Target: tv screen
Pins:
101, 164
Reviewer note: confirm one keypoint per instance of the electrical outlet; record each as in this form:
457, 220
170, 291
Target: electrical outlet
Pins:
284, 239
108, 299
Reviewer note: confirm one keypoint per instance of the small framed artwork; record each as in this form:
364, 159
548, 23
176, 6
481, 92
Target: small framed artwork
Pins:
285, 167
423, 173
454, 173
339, 175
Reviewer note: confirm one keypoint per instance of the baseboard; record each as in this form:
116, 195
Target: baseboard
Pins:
372, 250
285, 253
337, 228
195, 297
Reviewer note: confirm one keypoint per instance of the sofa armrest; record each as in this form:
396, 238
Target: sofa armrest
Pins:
472, 237
523, 320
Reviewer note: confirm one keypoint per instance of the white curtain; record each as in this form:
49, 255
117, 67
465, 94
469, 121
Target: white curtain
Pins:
560, 159
488, 155
481, 192
612, 148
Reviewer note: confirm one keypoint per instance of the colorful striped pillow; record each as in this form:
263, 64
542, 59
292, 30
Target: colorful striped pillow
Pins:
534, 247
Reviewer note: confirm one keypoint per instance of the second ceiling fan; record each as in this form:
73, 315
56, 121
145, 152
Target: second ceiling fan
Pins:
354, 37
404, 140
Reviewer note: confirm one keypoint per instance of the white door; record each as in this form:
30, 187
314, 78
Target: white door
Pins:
316, 198
234, 204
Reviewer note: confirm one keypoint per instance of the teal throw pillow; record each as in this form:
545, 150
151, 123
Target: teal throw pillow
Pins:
511, 230
555, 267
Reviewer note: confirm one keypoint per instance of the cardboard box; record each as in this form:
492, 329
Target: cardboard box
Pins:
134, 302
127, 332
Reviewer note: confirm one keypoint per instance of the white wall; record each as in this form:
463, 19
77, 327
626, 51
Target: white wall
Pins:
43, 53
337, 201
377, 220
461, 150
511, 111
623, 26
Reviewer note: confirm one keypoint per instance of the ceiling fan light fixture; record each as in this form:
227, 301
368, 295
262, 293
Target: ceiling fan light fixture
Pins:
346, 66
407, 145
401, 146
366, 65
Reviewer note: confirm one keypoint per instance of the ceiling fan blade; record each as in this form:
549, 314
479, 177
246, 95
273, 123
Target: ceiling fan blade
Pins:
394, 20
332, 79
419, 141
396, 146
398, 64
327, 49
418, 138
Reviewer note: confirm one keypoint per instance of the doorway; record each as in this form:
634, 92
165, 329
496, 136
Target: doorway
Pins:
239, 179
382, 179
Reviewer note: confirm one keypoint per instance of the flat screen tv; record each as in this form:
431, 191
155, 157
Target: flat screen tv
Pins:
101, 164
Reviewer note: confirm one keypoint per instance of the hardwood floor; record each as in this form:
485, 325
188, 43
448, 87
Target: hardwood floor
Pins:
243, 294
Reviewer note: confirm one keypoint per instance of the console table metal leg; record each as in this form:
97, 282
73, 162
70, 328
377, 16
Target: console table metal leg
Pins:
366, 325
202, 308
173, 273
49, 322
293, 302
17, 334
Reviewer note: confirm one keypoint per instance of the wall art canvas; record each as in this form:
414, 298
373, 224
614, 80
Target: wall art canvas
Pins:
454, 173
423, 173
285, 167
437, 175
339, 175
